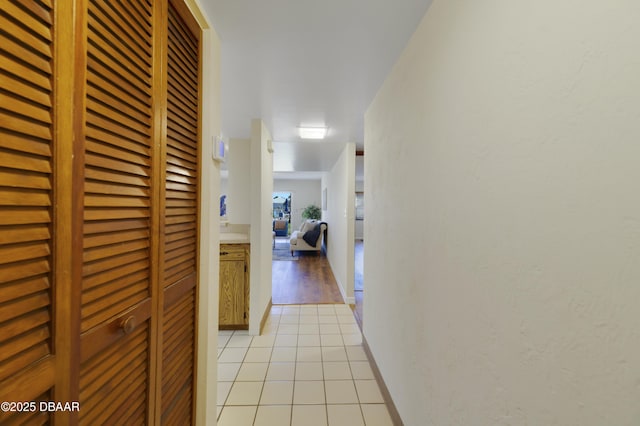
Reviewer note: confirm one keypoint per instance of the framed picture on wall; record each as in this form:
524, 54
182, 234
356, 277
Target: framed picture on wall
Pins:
324, 199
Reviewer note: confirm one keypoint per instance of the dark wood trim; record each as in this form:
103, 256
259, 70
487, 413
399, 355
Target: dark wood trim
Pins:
71, 29
158, 154
393, 411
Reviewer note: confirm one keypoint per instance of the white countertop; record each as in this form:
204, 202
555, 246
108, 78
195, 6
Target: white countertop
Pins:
234, 238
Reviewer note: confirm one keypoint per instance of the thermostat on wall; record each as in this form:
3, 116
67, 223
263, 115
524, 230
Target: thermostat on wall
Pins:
220, 149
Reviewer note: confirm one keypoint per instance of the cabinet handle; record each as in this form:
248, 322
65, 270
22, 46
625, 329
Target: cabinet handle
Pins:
128, 325
223, 253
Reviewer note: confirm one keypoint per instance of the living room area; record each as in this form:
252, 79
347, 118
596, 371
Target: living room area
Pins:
301, 272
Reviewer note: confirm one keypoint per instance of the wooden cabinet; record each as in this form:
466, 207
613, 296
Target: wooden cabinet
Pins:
234, 286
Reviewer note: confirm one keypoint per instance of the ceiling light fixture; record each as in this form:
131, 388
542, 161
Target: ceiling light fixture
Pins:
312, 132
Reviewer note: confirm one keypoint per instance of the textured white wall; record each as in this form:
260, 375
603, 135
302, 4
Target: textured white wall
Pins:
238, 185
502, 261
303, 193
340, 218
261, 172
209, 271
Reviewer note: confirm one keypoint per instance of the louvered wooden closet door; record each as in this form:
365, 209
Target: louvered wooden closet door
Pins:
118, 243
26, 199
180, 220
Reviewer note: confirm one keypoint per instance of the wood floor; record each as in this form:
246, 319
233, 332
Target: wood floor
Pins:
307, 280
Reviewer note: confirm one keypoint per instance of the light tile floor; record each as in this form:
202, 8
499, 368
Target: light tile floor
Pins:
308, 368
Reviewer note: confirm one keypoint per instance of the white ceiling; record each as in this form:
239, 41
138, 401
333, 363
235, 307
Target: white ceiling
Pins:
307, 63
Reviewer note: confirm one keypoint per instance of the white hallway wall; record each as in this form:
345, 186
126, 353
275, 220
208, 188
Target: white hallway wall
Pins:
261, 172
503, 218
340, 218
303, 193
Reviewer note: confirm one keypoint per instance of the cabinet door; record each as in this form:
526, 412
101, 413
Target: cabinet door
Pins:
119, 241
232, 293
179, 249
27, 287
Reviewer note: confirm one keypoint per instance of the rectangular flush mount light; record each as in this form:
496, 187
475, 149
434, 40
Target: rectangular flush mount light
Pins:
312, 132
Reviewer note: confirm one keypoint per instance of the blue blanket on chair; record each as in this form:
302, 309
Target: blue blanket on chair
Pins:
311, 237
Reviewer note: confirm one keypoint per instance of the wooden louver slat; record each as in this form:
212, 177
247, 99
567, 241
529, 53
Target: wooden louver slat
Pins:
181, 194
117, 230
26, 198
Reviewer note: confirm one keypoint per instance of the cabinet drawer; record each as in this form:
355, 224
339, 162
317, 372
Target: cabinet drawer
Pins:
232, 252
231, 255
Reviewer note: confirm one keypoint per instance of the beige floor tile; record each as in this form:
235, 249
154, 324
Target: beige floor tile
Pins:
349, 328
277, 393
308, 340
286, 340
347, 319
340, 392
334, 353
290, 319
309, 354
227, 372
376, 415
337, 371
273, 415
356, 353
276, 310
219, 352
283, 354
252, 372
222, 340
345, 415
223, 392
309, 371
258, 355
270, 330
219, 410
352, 339
369, 392
328, 319
264, 341
232, 355
291, 310
361, 370
330, 329
281, 371
308, 392
239, 341
342, 307
309, 415
245, 393
288, 329
309, 329
308, 319
237, 416
331, 340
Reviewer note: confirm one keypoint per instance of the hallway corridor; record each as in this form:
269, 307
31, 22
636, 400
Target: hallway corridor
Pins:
308, 368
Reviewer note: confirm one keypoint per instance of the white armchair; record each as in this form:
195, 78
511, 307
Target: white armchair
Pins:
310, 231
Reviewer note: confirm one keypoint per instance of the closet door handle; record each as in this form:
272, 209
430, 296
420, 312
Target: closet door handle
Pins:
224, 253
128, 325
